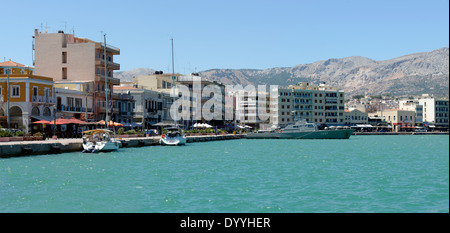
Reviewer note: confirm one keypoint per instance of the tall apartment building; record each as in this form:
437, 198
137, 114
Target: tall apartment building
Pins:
317, 104
67, 58
442, 114
435, 111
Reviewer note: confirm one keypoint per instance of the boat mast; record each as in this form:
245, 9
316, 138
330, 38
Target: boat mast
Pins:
173, 83
106, 84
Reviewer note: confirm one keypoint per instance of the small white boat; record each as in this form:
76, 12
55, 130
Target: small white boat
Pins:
173, 137
99, 140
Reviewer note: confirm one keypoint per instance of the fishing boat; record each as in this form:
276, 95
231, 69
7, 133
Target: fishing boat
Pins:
301, 130
173, 136
99, 140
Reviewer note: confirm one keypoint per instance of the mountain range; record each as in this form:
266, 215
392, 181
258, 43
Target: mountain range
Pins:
412, 74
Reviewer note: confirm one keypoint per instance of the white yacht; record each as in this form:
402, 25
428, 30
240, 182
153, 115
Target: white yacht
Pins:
173, 137
99, 140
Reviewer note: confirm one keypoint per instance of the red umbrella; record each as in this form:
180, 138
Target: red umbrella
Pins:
110, 123
42, 122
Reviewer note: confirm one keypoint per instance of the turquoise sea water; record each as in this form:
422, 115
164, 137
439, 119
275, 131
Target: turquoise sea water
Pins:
362, 174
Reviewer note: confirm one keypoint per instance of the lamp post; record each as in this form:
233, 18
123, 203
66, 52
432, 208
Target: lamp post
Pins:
8, 90
54, 123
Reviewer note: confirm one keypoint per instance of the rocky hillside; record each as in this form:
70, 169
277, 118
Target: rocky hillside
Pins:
127, 76
411, 74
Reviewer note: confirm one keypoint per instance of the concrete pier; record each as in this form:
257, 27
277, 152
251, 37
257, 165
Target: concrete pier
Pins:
29, 148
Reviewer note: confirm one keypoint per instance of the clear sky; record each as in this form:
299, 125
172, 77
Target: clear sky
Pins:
234, 34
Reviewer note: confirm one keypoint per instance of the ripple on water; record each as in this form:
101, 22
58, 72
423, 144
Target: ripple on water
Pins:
363, 174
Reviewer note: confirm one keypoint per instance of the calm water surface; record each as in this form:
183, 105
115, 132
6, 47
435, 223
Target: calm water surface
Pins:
362, 174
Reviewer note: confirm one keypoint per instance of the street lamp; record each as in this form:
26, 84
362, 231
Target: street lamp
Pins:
54, 123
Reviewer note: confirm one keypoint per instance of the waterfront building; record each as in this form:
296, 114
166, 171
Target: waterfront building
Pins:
316, 104
31, 97
148, 105
435, 112
412, 105
442, 114
125, 104
67, 58
73, 103
399, 120
162, 83
251, 110
198, 98
355, 116
429, 108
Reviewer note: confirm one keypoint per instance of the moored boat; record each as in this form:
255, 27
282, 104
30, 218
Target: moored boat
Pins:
99, 140
173, 136
301, 130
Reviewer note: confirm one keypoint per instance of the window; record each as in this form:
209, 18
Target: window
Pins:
78, 103
15, 91
64, 57
64, 73
47, 92
35, 91
70, 102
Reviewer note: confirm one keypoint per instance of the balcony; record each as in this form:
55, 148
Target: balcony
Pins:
101, 94
110, 48
109, 64
43, 99
303, 108
125, 114
114, 110
64, 108
111, 80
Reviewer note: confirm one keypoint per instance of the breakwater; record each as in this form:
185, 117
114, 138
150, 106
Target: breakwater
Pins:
28, 148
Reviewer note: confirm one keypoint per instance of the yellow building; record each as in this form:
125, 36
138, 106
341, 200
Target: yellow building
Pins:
31, 97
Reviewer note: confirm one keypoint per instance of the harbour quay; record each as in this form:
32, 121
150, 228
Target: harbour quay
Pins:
30, 148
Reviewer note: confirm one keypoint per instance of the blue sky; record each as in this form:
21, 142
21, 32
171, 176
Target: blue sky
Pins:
232, 34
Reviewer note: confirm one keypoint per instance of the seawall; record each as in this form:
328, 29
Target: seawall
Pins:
29, 148
400, 133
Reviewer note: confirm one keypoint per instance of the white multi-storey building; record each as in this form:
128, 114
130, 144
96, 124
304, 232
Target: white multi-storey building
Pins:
317, 104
